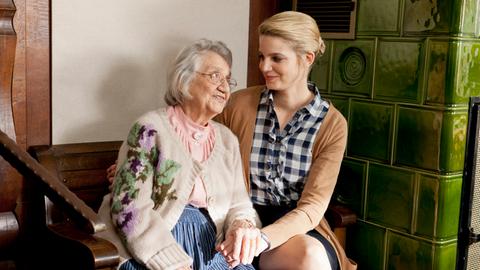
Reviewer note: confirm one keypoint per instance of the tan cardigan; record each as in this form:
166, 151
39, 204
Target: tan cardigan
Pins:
328, 150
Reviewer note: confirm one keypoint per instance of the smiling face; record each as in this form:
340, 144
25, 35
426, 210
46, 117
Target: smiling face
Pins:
280, 65
207, 98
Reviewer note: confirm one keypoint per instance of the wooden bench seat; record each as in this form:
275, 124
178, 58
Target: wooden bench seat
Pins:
82, 169
70, 243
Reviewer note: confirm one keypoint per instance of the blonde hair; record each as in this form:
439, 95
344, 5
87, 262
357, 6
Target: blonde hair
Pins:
299, 29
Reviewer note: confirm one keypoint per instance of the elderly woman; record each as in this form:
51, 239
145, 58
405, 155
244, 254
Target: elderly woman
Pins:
179, 187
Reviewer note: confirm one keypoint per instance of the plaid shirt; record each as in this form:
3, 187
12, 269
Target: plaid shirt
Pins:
280, 159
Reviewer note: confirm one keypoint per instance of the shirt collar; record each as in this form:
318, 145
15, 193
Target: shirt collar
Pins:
314, 108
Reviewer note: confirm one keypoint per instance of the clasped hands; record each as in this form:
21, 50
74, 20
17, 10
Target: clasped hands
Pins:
243, 241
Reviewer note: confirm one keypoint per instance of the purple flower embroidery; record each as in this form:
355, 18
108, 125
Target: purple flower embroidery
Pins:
135, 165
152, 132
126, 219
146, 137
126, 199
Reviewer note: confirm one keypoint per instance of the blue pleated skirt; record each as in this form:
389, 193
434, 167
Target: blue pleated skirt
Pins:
195, 232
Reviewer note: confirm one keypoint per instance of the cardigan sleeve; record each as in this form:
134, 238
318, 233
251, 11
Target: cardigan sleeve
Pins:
241, 206
319, 185
142, 183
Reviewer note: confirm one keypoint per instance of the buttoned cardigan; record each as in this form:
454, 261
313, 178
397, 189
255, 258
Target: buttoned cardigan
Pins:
154, 179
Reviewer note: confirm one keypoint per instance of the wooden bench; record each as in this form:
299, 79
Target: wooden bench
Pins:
68, 244
81, 168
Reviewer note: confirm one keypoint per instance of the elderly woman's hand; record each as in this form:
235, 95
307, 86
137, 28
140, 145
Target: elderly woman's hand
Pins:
242, 242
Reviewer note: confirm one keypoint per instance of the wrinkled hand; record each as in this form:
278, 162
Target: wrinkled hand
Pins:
242, 242
111, 172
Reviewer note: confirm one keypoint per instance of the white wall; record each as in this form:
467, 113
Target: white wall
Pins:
109, 58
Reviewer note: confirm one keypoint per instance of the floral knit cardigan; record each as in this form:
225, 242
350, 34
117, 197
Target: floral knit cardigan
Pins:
155, 176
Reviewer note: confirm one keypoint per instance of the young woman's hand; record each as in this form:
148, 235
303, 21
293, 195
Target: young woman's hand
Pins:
242, 242
111, 172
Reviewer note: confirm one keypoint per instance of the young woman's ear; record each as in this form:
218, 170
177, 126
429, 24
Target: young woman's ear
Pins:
310, 58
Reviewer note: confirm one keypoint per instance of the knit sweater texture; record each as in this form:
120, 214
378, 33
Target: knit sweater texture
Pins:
154, 179
327, 154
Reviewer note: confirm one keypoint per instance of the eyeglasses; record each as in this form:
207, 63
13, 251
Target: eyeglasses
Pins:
217, 78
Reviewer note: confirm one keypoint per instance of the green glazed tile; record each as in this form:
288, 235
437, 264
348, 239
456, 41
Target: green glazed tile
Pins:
439, 143
353, 67
378, 16
445, 256
453, 69
427, 16
365, 245
370, 130
350, 185
407, 253
438, 207
390, 196
398, 71
468, 19
320, 69
461, 69
454, 132
418, 138
437, 71
341, 103
466, 77
427, 206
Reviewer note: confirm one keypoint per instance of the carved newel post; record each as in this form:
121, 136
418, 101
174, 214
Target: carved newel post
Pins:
10, 180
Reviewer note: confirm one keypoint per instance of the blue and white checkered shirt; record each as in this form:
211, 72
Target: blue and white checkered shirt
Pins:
280, 159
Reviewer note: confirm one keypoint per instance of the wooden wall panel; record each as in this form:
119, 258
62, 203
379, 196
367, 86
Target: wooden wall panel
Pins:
37, 67
31, 100
31, 93
259, 11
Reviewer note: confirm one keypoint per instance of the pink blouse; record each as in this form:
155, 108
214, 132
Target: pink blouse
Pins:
199, 141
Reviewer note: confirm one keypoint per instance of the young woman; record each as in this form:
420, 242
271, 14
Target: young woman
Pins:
292, 143
179, 186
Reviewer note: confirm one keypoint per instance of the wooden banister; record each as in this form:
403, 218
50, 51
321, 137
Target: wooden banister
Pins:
55, 190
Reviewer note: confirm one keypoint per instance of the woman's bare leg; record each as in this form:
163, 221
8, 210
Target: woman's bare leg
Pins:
301, 252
